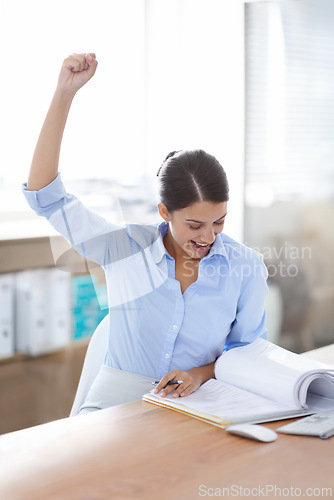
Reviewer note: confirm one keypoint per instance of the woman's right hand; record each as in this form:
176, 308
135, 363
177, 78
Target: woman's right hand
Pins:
76, 71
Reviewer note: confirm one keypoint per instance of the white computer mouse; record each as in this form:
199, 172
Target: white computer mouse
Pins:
253, 431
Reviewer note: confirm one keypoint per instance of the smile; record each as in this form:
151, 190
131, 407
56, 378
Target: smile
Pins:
200, 246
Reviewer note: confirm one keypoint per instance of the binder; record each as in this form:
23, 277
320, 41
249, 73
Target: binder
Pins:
257, 382
60, 300
43, 305
6, 315
87, 308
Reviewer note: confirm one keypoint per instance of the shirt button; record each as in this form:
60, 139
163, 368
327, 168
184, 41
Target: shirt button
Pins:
174, 327
166, 355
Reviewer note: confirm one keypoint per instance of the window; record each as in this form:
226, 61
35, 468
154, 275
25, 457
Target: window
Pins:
289, 173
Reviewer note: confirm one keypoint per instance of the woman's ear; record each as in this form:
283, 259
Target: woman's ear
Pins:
163, 211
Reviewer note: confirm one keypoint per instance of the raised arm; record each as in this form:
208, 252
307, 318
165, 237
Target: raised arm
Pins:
75, 72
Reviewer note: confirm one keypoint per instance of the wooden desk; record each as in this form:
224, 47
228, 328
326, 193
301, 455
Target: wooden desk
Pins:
139, 451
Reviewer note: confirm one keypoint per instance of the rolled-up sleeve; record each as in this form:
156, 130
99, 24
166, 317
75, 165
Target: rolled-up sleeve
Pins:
44, 199
250, 320
86, 231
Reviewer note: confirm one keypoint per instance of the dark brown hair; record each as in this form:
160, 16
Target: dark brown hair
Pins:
186, 177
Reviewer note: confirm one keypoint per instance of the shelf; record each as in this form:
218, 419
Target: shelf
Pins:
21, 357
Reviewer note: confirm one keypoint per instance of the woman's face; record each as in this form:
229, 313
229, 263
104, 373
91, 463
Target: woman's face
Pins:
192, 230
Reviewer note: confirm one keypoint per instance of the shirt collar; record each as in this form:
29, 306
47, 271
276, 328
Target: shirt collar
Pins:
218, 248
158, 249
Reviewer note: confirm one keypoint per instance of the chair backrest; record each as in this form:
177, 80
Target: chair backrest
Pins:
94, 359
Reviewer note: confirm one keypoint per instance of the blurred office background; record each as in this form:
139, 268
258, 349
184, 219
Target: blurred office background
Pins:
250, 82
289, 160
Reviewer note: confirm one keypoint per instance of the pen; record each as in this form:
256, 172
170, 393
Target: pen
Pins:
171, 382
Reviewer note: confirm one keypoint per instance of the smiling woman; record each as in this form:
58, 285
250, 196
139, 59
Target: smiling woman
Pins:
164, 323
194, 193
188, 239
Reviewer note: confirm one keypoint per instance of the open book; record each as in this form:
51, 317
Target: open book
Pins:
259, 382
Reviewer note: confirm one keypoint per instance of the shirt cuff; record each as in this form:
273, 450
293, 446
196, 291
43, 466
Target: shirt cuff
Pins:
46, 196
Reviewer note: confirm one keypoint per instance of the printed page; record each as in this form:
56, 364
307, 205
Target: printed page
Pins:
229, 403
266, 369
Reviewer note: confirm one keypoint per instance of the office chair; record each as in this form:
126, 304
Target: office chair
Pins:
94, 359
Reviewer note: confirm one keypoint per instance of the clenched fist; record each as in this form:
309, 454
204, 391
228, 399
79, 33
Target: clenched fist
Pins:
75, 72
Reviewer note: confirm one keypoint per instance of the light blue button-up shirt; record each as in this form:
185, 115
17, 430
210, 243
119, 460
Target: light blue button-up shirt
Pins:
153, 327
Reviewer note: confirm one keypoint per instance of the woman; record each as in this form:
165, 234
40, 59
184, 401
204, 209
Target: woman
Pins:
180, 292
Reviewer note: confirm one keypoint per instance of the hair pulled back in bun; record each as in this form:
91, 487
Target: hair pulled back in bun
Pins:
186, 177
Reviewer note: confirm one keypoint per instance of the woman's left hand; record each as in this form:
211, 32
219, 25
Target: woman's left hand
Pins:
191, 382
